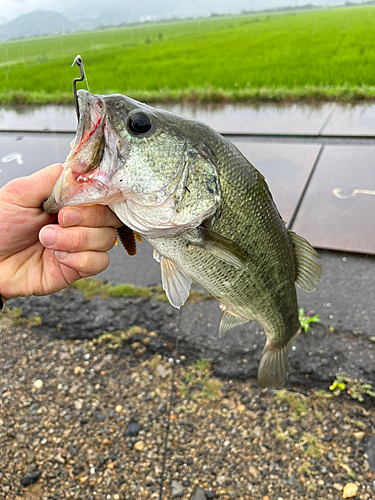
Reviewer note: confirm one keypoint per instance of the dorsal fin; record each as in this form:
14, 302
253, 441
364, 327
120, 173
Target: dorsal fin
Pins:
309, 271
175, 282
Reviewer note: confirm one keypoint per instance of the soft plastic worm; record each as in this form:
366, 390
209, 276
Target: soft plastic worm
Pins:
127, 238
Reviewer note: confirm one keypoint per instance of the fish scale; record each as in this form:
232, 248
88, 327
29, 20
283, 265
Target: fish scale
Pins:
206, 211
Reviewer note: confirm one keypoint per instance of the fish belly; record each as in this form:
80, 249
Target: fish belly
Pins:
241, 291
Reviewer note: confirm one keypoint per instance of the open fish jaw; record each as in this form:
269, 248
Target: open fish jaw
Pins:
87, 169
151, 180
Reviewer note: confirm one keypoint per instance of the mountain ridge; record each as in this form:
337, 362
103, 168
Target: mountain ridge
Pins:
36, 23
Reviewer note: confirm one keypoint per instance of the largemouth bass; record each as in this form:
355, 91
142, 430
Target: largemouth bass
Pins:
206, 211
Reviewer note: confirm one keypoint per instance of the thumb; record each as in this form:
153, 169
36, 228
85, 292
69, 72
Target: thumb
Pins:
31, 191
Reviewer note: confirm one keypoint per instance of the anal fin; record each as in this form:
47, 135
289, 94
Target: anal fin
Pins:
229, 320
175, 282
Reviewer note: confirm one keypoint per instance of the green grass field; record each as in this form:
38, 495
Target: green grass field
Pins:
326, 54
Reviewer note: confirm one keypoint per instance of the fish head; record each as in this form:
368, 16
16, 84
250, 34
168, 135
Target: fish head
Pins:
142, 161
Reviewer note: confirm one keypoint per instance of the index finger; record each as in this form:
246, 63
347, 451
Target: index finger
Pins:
91, 216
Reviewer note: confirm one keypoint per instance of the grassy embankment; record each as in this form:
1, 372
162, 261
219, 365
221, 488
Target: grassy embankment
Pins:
327, 54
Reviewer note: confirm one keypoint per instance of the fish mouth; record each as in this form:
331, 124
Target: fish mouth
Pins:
86, 177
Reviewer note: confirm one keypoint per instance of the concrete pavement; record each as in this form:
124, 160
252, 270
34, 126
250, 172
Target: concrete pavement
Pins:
317, 159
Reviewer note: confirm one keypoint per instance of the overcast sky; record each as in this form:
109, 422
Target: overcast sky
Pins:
10, 9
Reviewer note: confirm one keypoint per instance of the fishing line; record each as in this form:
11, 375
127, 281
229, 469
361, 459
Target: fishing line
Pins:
175, 361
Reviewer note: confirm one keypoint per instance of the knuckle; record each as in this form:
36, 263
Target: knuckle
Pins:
80, 239
85, 261
102, 216
95, 216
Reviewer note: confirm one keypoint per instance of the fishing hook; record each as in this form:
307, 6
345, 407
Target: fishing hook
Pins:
78, 61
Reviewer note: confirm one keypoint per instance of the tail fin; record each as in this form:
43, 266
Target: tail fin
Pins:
273, 366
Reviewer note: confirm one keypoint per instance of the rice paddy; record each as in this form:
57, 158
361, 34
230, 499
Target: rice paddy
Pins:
318, 54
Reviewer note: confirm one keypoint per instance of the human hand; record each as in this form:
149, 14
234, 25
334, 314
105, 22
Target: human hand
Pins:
38, 256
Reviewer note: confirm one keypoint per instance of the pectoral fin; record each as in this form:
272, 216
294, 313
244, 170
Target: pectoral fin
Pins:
229, 320
221, 247
175, 282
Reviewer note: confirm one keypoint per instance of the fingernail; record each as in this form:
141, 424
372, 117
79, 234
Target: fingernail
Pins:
60, 254
48, 236
72, 217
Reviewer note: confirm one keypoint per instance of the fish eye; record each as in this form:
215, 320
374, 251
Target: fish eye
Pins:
139, 123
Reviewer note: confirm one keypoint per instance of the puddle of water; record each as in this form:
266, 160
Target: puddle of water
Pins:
38, 118
225, 118
352, 120
22, 155
294, 119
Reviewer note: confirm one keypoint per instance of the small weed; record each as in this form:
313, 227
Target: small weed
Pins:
138, 348
198, 383
202, 366
115, 340
91, 287
34, 321
280, 434
212, 389
297, 402
321, 398
128, 290
306, 320
184, 391
319, 416
356, 389
305, 468
311, 446
155, 362
313, 451
355, 423
15, 315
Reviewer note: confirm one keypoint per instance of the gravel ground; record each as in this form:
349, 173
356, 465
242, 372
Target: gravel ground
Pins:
81, 420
